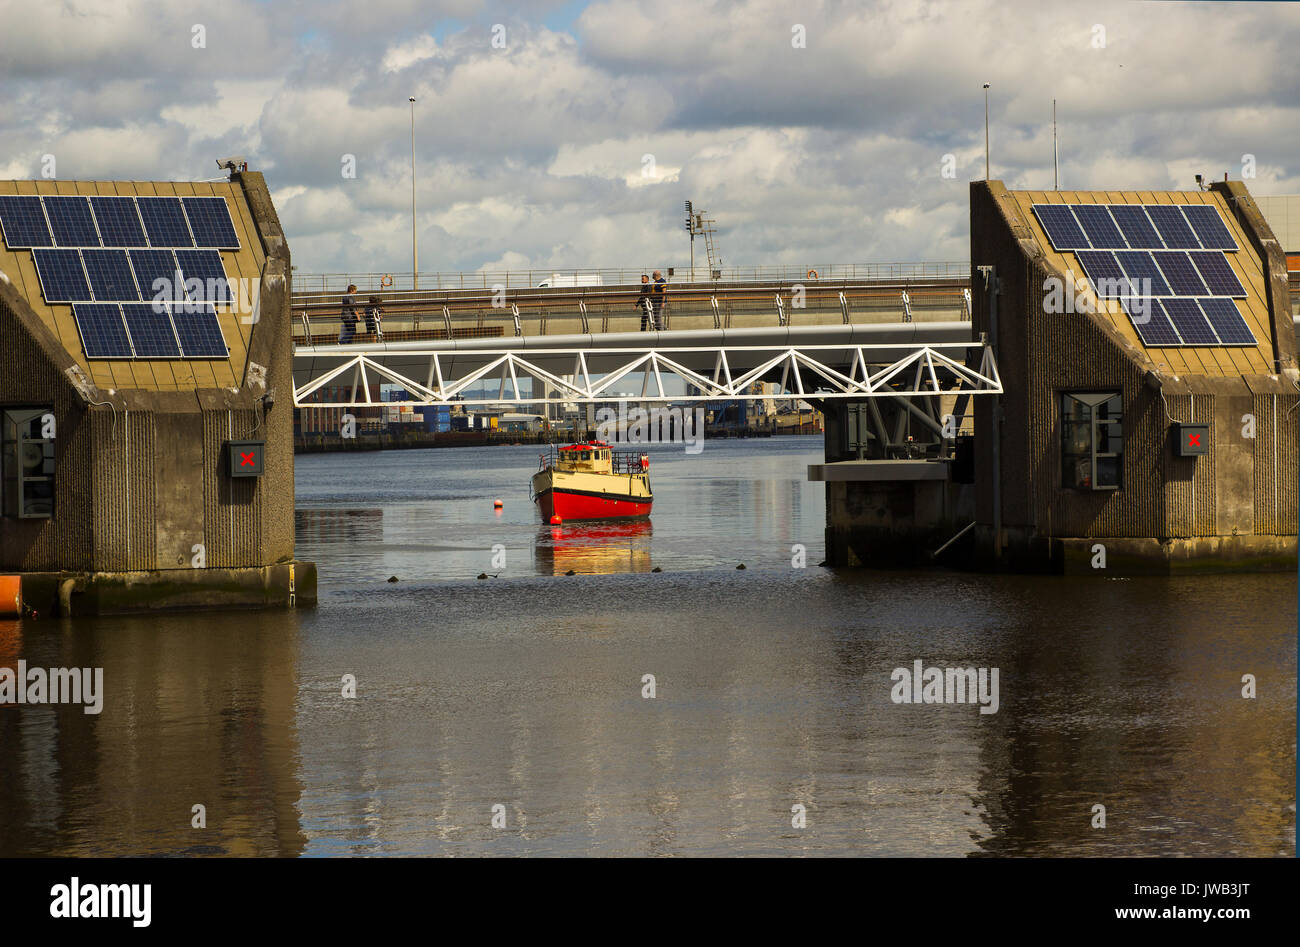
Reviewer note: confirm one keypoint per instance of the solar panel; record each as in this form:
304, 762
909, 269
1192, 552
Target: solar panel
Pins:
102, 333
210, 222
1180, 273
23, 222
204, 265
119, 224
1152, 325
62, 278
1227, 321
1173, 227
1209, 226
1217, 273
1061, 227
1141, 269
151, 330
1099, 227
1136, 227
1189, 321
151, 266
1108, 280
164, 221
70, 221
199, 331
110, 277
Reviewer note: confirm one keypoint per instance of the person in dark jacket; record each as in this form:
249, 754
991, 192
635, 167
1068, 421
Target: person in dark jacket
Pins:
660, 298
348, 316
646, 303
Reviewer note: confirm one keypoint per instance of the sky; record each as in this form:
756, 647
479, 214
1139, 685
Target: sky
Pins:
568, 134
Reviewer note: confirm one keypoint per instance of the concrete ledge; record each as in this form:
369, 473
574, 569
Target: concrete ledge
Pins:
1206, 555
78, 594
878, 470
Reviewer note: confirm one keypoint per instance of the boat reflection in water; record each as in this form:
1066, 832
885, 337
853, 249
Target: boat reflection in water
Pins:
594, 547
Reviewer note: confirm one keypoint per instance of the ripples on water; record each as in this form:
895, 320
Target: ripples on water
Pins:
773, 688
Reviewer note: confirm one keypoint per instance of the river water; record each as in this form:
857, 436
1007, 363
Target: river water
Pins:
520, 699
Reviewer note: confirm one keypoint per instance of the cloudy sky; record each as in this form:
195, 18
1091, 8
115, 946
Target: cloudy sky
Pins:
568, 134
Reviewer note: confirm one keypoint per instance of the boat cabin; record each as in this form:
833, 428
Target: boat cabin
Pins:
593, 457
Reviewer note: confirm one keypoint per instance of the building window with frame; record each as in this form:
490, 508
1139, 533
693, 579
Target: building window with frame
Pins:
26, 464
1092, 440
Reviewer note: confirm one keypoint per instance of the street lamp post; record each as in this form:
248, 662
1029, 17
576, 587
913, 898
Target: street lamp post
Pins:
415, 251
986, 131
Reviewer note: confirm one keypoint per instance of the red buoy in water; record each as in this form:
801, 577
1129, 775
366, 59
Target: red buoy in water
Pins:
555, 520
496, 504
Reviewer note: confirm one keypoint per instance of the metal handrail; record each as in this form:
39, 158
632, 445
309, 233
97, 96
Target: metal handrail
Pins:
529, 278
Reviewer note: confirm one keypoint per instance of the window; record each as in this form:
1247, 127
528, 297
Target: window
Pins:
1092, 440
27, 463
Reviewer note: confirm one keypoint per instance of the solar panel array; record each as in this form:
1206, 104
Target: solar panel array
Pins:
142, 273
1166, 263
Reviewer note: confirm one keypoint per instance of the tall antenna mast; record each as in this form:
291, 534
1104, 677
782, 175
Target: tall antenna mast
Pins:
1056, 167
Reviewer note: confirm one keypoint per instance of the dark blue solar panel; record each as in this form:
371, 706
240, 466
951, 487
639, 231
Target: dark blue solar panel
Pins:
205, 266
1142, 270
1173, 227
1136, 226
1108, 280
1189, 321
102, 333
1209, 226
71, 222
151, 266
61, 275
1061, 227
1217, 273
24, 222
119, 224
1227, 321
164, 221
151, 330
1180, 273
210, 222
110, 276
1099, 227
199, 331
1152, 325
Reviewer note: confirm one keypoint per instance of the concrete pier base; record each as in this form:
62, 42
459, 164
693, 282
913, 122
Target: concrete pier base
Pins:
73, 594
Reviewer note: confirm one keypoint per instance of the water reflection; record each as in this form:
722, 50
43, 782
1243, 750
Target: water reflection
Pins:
594, 548
196, 711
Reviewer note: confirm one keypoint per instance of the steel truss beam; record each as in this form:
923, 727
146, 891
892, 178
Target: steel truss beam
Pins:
873, 371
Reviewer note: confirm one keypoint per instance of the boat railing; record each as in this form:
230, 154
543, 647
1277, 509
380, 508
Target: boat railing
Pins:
629, 462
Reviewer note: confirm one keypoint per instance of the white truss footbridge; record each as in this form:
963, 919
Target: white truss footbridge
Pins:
909, 360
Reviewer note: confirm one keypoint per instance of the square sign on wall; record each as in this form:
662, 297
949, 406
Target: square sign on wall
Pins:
246, 458
1193, 439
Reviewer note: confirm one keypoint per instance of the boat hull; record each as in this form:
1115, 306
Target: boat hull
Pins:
591, 497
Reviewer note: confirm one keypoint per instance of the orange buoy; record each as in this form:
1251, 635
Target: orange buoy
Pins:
496, 504
11, 596
555, 520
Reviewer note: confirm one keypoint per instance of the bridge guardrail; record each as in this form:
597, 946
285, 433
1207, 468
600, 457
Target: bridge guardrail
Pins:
330, 283
318, 319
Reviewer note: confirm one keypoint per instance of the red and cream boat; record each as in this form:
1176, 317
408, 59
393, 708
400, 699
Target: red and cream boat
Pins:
591, 481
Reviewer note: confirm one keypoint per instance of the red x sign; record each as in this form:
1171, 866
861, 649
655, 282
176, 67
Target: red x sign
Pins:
1193, 440
246, 460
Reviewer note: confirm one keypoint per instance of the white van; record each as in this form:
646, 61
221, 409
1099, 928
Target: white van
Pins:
566, 280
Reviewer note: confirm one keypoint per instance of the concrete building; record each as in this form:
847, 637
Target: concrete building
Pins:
1131, 437
123, 447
